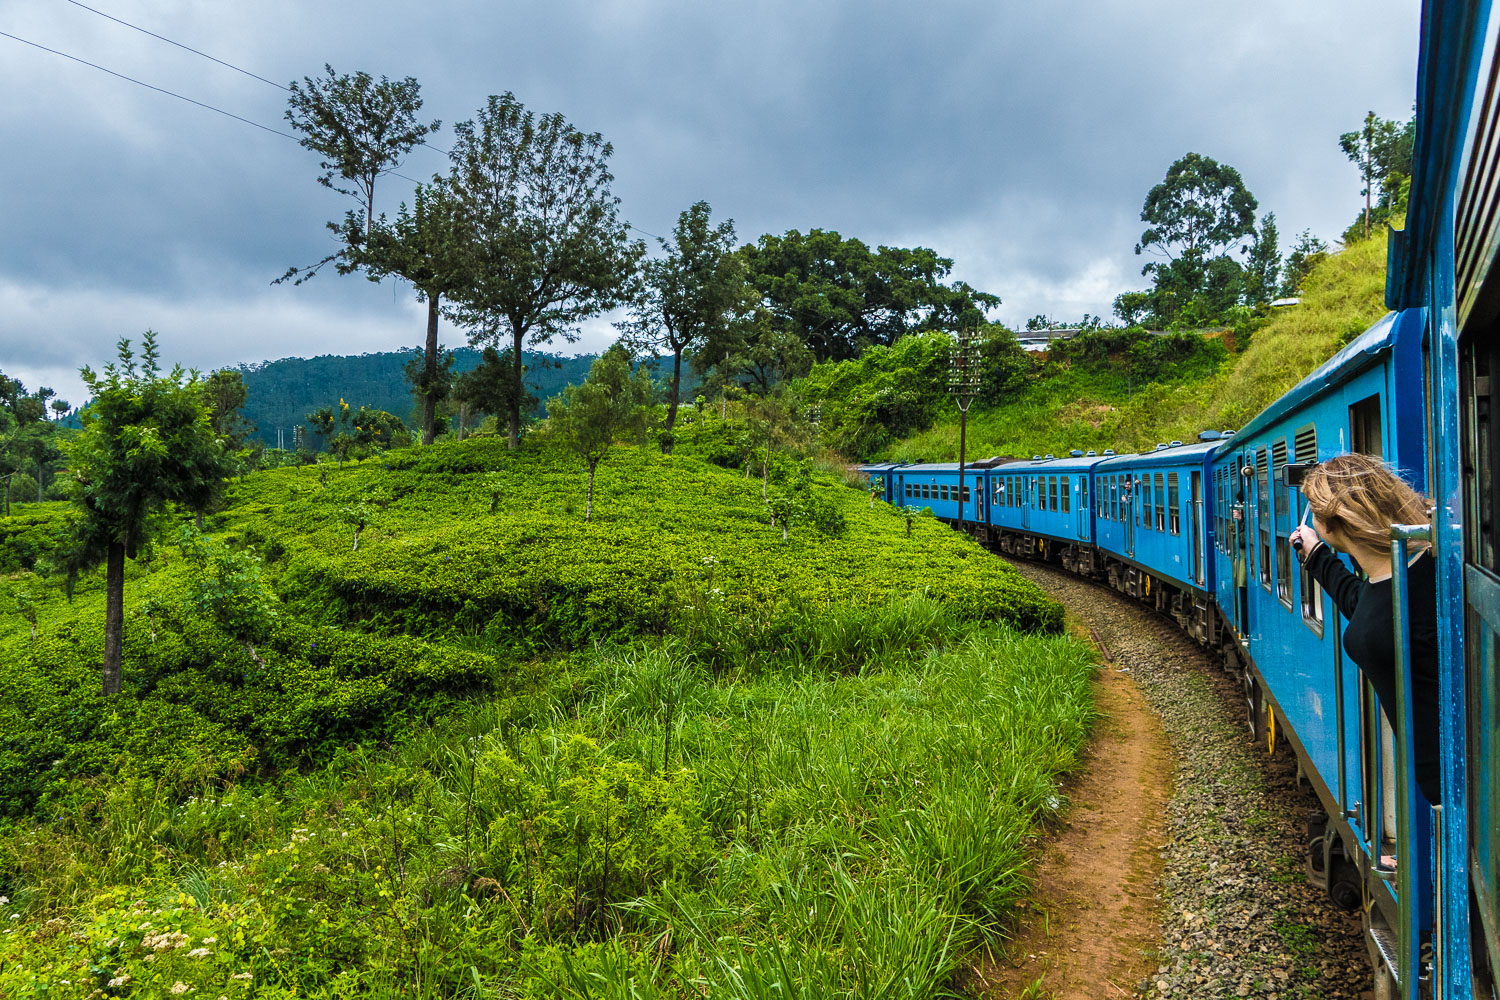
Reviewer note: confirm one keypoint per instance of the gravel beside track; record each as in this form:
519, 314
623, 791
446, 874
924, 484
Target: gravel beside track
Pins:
1239, 917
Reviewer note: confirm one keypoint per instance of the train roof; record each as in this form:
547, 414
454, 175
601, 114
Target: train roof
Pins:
1359, 354
1177, 454
879, 467
1055, 464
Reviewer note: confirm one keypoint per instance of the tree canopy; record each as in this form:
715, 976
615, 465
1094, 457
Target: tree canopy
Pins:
363, 128
609, 405
838, 297
147, 442
690, 296
549, 247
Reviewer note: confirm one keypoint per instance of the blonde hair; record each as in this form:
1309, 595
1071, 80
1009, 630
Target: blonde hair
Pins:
1359, 497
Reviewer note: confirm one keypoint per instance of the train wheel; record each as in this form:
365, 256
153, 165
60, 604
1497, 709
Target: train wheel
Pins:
1255, 708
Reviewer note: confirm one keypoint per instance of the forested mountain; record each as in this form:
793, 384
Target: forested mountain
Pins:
282, 393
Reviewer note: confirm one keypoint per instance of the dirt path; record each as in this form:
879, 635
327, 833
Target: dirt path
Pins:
1094, 922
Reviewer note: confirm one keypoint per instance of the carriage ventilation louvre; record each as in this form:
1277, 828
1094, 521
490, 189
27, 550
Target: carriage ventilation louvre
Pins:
1477, 203
1307, 445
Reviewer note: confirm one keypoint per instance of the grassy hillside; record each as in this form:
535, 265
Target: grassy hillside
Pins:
1072, 409
514, 754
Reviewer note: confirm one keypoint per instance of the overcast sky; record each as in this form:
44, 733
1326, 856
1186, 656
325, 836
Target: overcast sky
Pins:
1017, 138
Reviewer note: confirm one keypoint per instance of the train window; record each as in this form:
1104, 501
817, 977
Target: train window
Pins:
1263, 513
1174, 505
1282, 524
1310, 590
1065, 488
1114, 496
967, 497
1364, 427
1479, 364
908, 489
1161, 503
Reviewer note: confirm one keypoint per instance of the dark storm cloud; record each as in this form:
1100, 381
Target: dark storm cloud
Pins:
1019, 139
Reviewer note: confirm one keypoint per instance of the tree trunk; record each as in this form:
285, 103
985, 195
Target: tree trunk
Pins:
356, 540
429, 398
588, 510
463, 418
114, 616
672, 400
765, 471
515, 401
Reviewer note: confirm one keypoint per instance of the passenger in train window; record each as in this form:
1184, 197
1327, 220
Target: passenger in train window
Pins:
1354, 501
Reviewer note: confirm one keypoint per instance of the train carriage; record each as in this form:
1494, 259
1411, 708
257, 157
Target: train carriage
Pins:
1366, 398
1155, 529
1045, 505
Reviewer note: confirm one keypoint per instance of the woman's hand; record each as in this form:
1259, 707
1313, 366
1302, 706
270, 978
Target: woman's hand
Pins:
1304, 541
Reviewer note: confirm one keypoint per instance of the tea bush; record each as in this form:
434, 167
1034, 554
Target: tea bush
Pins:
514, 754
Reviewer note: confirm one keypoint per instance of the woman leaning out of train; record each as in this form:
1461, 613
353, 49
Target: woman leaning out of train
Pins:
1354, 500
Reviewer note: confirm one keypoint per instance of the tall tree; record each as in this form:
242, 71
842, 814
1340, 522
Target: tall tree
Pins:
146, 443
224, 393
550, 248
839, 297
432, 246
1306, 254
688, 296
1198, 212
609, 405
490, 388
1202, 207
1263, 262
1382, 152
362, 128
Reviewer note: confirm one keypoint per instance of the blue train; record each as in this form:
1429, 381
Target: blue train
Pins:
1201, 531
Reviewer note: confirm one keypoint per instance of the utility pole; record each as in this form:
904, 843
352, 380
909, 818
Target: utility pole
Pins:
963, 386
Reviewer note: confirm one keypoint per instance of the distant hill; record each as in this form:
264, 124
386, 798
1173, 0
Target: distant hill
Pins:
282, 393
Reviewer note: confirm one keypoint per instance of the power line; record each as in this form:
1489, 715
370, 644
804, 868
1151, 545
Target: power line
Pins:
148, 86
169, 93
189, 48
216, 59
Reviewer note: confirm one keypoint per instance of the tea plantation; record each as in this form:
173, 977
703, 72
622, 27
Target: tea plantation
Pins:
494, 750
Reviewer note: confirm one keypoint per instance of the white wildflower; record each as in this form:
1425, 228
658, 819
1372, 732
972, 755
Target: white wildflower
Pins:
199, 953
210, 940
179, 987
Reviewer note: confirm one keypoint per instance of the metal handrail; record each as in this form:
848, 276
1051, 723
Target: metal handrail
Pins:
1408, 881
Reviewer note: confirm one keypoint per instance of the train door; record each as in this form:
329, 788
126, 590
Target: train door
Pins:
1479, 364
1024, 484
1127, 509
1082, 506
1240, 525
1195, 511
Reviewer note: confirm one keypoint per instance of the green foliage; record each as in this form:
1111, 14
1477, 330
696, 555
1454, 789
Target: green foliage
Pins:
1307, 253
1382, 150
884, 394
362, 128
1199, 212
549, 248
611, 404
228, 586
839, 298
630, 826
690, 297
357, 434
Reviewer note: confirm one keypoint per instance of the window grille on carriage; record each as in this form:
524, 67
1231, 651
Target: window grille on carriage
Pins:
1263, 513
1282, 523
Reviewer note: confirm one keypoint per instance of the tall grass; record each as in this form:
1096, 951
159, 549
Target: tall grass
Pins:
847, 819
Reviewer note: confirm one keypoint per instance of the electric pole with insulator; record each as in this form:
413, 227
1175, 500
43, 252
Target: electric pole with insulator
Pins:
963, 386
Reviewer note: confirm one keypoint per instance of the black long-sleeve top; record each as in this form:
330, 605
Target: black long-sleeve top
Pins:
1369, 641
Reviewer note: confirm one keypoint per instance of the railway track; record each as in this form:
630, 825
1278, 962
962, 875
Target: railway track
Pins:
1237, 915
